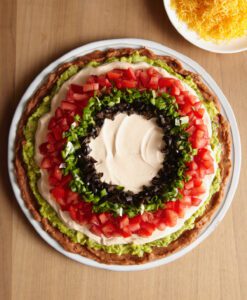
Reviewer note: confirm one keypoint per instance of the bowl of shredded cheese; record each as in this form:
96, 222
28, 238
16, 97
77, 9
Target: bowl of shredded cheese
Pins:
214, 25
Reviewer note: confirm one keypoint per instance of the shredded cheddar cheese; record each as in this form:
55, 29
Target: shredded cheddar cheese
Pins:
214, 19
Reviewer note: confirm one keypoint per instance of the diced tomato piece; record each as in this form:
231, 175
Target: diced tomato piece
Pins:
189, 185
175, 91
80, 97
70, 116
57, 173
137, 73
177, 206
147, 217
203, 128
126, 232
76, 88
92, 79
129, 84
134, 223
192, 165
191, 173
190, 98
57, 132
161, 225
198, 134
82, 104
58, 192
43, 148
51, 148
207, 163
58, 113
87, 87
94, 220
146, 229
46, 163
73, 212
103, 217
199, 113
179, 85
53, 181
51, 138
153, 82
185, 109
204, 154
170, 217
197, 105
191, 129
65, 180
192, 117
186, 192
195, 201
114, 75
199, 122
171, 205
197, 182
63, 123
76, 93
108, 229
72, 197
202, 172
158, 214
151, 71
118, 83
181, 209
180, 99
52, 123
65, 105
59, 145
210, 170
96, 230
103, 81
124, 221
198, 190
186, 200
144, 78
82, 216
166, 82
130, 73
199, 143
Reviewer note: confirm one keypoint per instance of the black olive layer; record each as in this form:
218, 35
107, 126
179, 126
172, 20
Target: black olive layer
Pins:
165, 176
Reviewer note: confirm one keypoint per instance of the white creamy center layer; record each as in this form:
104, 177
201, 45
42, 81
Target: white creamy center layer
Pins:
128, 151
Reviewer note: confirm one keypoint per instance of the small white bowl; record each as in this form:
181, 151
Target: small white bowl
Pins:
233, 46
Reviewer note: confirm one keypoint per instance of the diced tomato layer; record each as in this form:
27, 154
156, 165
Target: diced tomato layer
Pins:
143, 224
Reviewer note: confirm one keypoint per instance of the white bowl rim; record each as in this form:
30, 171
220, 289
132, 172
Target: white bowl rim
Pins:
197, 42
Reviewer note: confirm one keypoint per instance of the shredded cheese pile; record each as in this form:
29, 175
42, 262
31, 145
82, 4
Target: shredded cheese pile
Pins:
214, 19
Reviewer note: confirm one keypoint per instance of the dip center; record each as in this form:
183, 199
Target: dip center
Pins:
128, 151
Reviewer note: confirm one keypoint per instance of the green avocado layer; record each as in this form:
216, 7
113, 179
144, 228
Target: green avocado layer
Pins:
34, 173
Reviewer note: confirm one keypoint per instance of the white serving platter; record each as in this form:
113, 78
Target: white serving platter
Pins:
188, 64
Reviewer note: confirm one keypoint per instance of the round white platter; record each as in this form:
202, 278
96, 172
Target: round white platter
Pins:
188, 64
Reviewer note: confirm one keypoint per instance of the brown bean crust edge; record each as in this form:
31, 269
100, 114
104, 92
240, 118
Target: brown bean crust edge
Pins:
99, 255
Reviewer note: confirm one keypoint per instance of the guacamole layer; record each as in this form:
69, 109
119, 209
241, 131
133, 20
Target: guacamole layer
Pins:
48, 212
